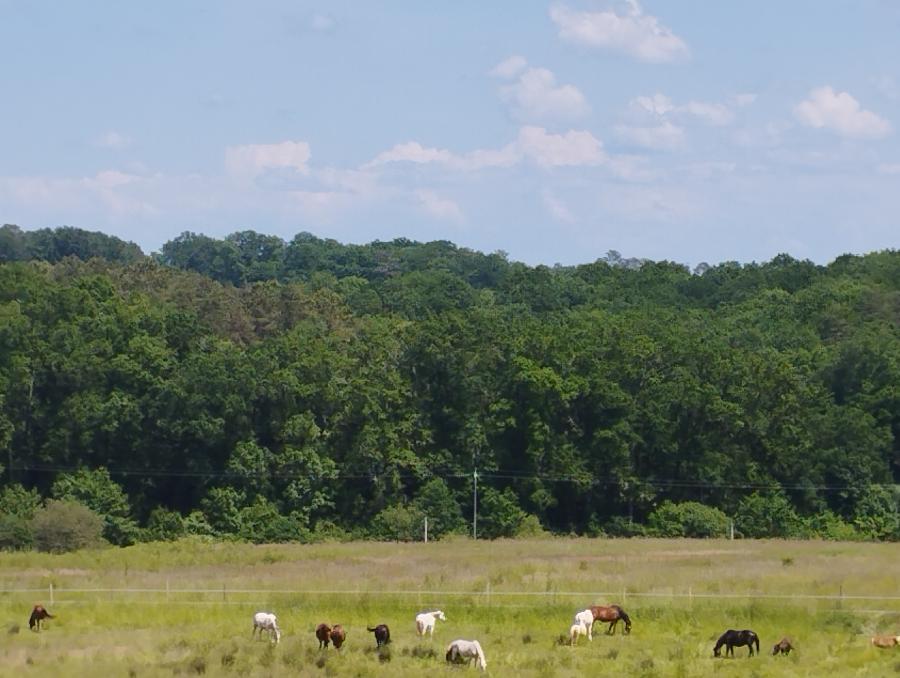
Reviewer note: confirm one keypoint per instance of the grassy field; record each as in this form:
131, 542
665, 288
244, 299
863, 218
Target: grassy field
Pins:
185, 608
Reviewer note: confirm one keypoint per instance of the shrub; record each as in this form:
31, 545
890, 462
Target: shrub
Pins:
531, 527
165, 525
827, 525
100, 493
620, 526
18, 501
499, 514
437, 502
15, 532
767, 515
687, 519
398, 523
66, 526
875, 514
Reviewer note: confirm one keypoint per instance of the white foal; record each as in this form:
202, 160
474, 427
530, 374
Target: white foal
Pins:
578, 629
266, 621
425, 622
586, 617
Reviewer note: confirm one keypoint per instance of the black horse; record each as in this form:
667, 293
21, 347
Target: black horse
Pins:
382, 634
731, 639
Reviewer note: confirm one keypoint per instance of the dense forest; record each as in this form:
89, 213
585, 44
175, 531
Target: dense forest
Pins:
254, 388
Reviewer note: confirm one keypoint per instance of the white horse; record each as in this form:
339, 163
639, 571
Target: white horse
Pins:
586, 618
425, 622
266, 621
466, 650
578, 629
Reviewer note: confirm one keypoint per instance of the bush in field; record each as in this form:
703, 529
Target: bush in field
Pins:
827, 525
767, 515
100, 493
620, 526
398, 523
499, 514
164, 525
16, 500
66, 526
196, 524
687, 519
436, 501
531, 527
261, 523
876, 515
222, 508
15, 532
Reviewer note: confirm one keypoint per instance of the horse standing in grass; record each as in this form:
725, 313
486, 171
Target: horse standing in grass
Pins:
783, 646
266, 621
382, 634
460, 651
579, 628
731, 639
885, 641
338, 636
425, 622
586, 618
38, 614
323, 633
611, 614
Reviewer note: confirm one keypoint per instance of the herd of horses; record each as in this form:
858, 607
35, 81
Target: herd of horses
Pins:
467, 651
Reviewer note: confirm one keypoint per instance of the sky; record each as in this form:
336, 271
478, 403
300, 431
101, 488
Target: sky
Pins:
555, 131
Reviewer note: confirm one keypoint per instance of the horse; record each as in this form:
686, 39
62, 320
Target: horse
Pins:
586, 618
323, 633
266, 621
38, 614
731, 639
611, 614
579, 628
338, 636
783, 646
425, 622
382, 634
460, 651
885, 641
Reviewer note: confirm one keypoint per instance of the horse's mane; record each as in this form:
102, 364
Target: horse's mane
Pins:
622, 613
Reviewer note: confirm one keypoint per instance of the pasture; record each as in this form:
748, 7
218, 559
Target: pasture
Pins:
186, 608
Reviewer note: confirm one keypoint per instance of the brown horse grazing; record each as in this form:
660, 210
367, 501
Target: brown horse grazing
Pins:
783, 646
382, 634
885, 641
611, 614
338, 636
731, 639
323, 633
38, 614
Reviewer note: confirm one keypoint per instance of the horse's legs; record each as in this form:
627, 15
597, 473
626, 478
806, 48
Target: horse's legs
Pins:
609, 631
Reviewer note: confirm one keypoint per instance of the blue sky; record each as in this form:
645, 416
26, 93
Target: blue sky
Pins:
556, 130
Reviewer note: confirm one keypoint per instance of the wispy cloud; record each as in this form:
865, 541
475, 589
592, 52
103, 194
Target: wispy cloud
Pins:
662, 137
556, 208
113, 140
251, 160
660, 105
438, 206
839, 112
536, 96
633, 32
510, 67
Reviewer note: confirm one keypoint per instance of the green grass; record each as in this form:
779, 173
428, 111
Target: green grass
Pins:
516, 597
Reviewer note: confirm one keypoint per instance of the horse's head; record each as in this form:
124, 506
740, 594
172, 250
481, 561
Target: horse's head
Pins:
439, 615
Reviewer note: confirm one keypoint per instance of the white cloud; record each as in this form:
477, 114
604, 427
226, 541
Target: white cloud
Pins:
574, 148
437, 206
635, 33
742, 100
252, 160
536, 96
660, 106
509, 68
887, 85
113, 140
556, 208
840, 113
665, 136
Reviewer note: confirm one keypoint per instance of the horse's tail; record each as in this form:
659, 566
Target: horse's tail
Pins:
420, 627
756, 640
370, 629
450, 648
482, 662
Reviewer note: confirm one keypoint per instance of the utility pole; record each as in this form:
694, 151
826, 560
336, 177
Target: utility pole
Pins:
475, 504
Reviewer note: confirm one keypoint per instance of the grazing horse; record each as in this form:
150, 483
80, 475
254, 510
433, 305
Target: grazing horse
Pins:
323, 633
885, 641
579, 628
731, 639
425, 622
382, 634
783, 646
266, 621
460, 651
38, 614
586, 618
611, 614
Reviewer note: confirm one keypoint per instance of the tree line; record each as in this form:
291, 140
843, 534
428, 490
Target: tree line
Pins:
268, 390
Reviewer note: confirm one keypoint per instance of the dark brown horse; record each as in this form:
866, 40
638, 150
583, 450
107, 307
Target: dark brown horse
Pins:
611, 614
783, 646
38, 614
323, 633
732, 639
338, 636
382, 634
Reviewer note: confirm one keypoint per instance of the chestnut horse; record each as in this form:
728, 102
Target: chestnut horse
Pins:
38, 614
731, 639
783, 646
885, 641
338, 636
323, 633
611, 614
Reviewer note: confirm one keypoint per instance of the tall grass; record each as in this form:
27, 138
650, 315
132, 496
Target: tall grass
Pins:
516, 597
